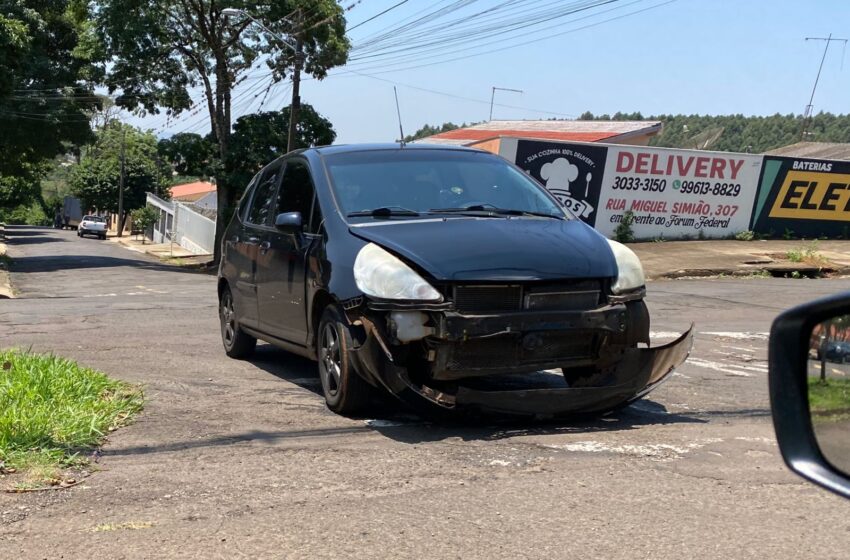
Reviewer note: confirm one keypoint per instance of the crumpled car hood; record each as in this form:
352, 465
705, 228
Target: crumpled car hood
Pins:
495, 249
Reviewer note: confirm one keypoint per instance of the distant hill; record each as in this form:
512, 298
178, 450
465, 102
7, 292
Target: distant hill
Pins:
738, 133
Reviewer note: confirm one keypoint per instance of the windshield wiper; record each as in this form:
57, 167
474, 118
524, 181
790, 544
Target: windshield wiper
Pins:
490, 210
384, 212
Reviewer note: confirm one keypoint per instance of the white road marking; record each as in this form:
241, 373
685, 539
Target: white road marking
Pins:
499, 463
657, 451
740, 335
664, 334
738, 348
717, 367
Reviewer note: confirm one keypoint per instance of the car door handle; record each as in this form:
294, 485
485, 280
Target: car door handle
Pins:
265, 246
252, 240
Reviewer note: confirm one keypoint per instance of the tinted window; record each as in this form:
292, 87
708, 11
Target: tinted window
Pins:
296, 191
423, 180
261, 204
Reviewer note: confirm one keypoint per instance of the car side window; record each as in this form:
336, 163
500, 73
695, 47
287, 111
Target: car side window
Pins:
297, 193
261, 202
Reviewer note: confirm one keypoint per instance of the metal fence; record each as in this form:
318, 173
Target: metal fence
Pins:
187, 227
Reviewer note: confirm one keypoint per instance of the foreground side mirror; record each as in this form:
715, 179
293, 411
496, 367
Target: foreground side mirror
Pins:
809, 363
289, 222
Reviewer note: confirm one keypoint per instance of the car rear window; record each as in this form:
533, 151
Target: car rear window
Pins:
94, 219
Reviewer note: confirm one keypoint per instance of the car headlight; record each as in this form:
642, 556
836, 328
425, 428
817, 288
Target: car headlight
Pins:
379, 274
629, 270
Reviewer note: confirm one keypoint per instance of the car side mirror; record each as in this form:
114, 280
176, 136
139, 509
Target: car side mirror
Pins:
809, 377
289, 222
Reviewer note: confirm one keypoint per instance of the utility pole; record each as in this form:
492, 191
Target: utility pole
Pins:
121, 183
493, 96
298, 48
295, 105
807, 114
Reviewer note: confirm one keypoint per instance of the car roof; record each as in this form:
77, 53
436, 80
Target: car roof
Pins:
387, 146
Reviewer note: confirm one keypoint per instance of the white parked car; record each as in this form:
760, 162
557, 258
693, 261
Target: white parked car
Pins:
92, 225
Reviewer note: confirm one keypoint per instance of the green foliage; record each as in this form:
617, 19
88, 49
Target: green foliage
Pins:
624, 233
154, 52
828, 397
738, 133
144, 218
809, 254
51, 407
428, 130
95, 181
260, 138
44, 101
189, 154
745, 235
788, 234
29, 214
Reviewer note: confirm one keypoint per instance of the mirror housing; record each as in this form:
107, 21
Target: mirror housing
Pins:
289, 222
788, 356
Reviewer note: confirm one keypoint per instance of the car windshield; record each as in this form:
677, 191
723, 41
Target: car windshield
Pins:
94, 219
415, 181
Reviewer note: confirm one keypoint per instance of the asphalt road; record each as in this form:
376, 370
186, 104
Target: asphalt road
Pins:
242, 459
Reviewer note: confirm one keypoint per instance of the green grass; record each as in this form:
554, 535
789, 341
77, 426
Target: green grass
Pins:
52, 410
829, 398
808, 254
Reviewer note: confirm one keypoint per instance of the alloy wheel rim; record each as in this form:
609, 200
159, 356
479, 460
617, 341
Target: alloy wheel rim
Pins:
228, 323
329, 358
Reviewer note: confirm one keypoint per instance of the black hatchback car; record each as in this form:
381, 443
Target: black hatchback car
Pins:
444, 276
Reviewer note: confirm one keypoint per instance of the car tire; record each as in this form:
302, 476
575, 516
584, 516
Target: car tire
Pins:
237, 343
102, 237
344, 390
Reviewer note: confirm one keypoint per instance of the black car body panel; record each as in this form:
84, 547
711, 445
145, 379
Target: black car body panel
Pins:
519, 294
496, 249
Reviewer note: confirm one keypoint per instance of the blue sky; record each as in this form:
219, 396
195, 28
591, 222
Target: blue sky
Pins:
688, 56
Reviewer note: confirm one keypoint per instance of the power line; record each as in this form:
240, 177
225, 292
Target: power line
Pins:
391, 8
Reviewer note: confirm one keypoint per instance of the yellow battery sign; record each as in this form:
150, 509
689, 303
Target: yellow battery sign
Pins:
813, 196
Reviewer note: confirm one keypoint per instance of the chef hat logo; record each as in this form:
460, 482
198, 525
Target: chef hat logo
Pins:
559, 174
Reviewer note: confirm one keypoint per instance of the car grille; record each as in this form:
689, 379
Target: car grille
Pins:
578, 295
534, 348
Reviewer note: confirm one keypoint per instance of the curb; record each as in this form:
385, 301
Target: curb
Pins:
778, 271
6, 291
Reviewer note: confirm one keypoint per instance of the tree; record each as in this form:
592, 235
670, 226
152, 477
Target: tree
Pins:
258, 139
143, 219
96, 179
189, 154
156, 50
45, 94
428, 130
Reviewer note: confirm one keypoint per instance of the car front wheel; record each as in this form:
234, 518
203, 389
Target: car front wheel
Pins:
237, 343
345, 391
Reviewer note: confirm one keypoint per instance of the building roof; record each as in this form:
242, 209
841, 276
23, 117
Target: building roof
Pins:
577, 131
818, 150
181, 192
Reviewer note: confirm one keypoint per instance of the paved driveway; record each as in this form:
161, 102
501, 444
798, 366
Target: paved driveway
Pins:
242, 459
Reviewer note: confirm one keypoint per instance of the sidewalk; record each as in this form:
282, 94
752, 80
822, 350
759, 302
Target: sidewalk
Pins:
168, 252
676, 259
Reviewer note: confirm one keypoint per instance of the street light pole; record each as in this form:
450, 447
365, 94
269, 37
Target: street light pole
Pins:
296, 73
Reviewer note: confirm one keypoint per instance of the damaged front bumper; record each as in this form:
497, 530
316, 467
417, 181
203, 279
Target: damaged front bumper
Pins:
629, 373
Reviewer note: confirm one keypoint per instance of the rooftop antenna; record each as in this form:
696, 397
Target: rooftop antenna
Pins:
807, 115
398, 112
493, 97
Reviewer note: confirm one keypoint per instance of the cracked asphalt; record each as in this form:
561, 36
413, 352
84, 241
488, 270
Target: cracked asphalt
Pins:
238, 459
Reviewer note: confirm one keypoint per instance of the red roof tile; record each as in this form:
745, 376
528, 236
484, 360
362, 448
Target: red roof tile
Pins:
187, 189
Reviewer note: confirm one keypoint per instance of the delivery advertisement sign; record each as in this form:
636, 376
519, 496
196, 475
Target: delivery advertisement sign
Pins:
571, 172
804, 196
677, 193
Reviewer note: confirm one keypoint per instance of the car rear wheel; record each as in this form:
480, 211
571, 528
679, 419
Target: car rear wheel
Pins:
237, 344
345, 391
